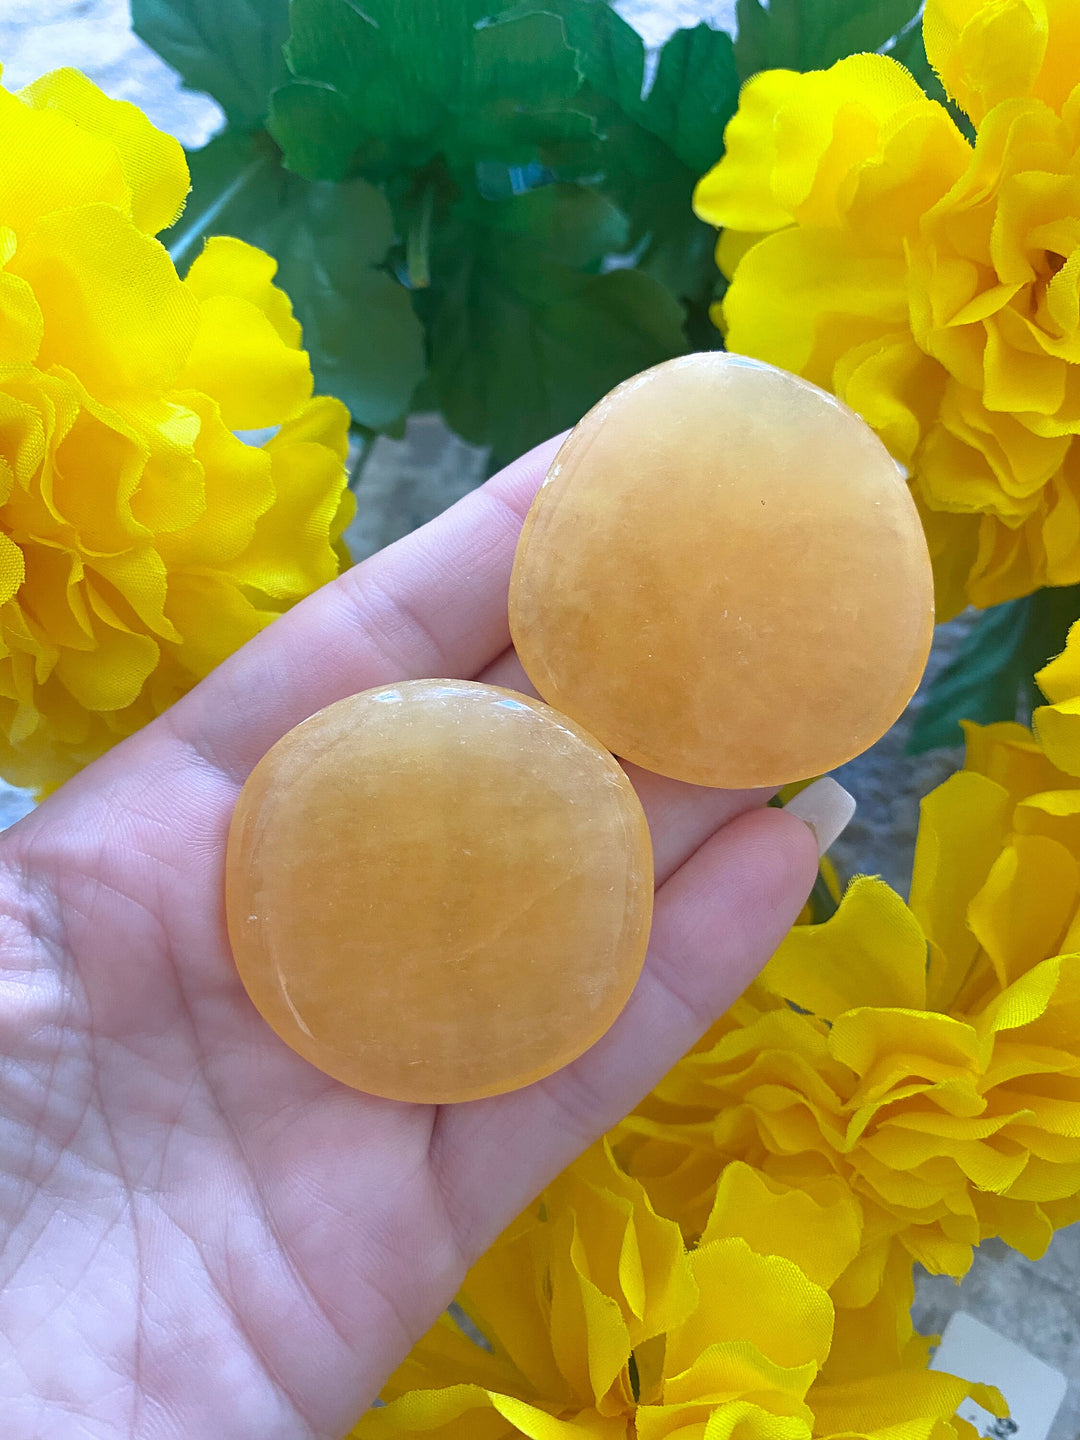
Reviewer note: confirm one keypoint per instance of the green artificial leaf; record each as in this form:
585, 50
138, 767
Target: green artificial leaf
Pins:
813, 34
654, 145
399, 83
693, 96
610, 53
525, 332
694, 87
331, 244
991, 677
229, 48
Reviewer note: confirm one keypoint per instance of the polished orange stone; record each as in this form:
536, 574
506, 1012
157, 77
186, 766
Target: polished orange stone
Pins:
724, 577
438, 890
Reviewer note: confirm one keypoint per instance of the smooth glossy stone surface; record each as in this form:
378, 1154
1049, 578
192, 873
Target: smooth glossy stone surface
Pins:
724, 577
438, 890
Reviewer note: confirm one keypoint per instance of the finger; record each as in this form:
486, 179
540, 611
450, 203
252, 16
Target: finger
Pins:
432, 604
681, 817
717, 920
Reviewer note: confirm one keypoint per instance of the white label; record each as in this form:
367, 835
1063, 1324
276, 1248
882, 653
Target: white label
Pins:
1032, 1389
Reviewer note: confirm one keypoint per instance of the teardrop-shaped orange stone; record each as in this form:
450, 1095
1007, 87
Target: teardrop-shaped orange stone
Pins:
438, 890
724, 576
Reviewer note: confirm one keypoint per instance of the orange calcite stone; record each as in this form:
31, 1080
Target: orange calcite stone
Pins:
724, 576
438, 890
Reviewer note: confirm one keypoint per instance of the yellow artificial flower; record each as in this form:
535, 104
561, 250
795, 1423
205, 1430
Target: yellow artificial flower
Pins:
141, 541
987, 53
931, 284
598, 1322
1057, 724
923, 1057
599, 1319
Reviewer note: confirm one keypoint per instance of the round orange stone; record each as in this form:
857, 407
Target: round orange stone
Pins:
724, 576
438, 890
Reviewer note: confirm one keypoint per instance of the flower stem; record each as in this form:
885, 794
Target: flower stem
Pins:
418, 242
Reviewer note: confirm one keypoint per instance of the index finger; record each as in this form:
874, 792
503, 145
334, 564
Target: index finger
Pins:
432, 604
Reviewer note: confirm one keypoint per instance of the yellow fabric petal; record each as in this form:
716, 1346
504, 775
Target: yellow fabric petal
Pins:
739, 1421
1029, 1000
871, 952
504, 1297
953, 542
530, 1421
985, 53
291, 551
633, 1255
1022, 1227
776, 1219
962, 826
795, 139
920, 158
1060, 679
48, 163
930, 1045
1003, 568
324, 420
802, 298
870, 100
152, 162
21, 322
737, 1370
465, 1412
1019, 464
1058, 729
589, 1337
1016, 377
445, 1357
736, 1420
864, 1407
236, 489
115, 312
894, 387
1009, 755
12, 568
135, 585
1056, 81
111, 675
1025, 906
228, 266
875, 1337
737, 192
213, 616
1061, 527
1057, 725
1055, 814
240, 359
790, 1322
731, 246
55, 581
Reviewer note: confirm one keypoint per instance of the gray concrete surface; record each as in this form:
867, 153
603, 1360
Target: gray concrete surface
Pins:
406, 482
1035, 1304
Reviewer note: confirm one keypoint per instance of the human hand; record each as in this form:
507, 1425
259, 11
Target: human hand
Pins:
200, 1234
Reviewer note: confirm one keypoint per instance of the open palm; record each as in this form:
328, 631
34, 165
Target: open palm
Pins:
200, 1234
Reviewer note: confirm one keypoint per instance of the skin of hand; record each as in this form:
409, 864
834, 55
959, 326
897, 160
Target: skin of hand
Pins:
201, 1236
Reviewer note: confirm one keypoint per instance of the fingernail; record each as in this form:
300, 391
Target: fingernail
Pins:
826, 807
